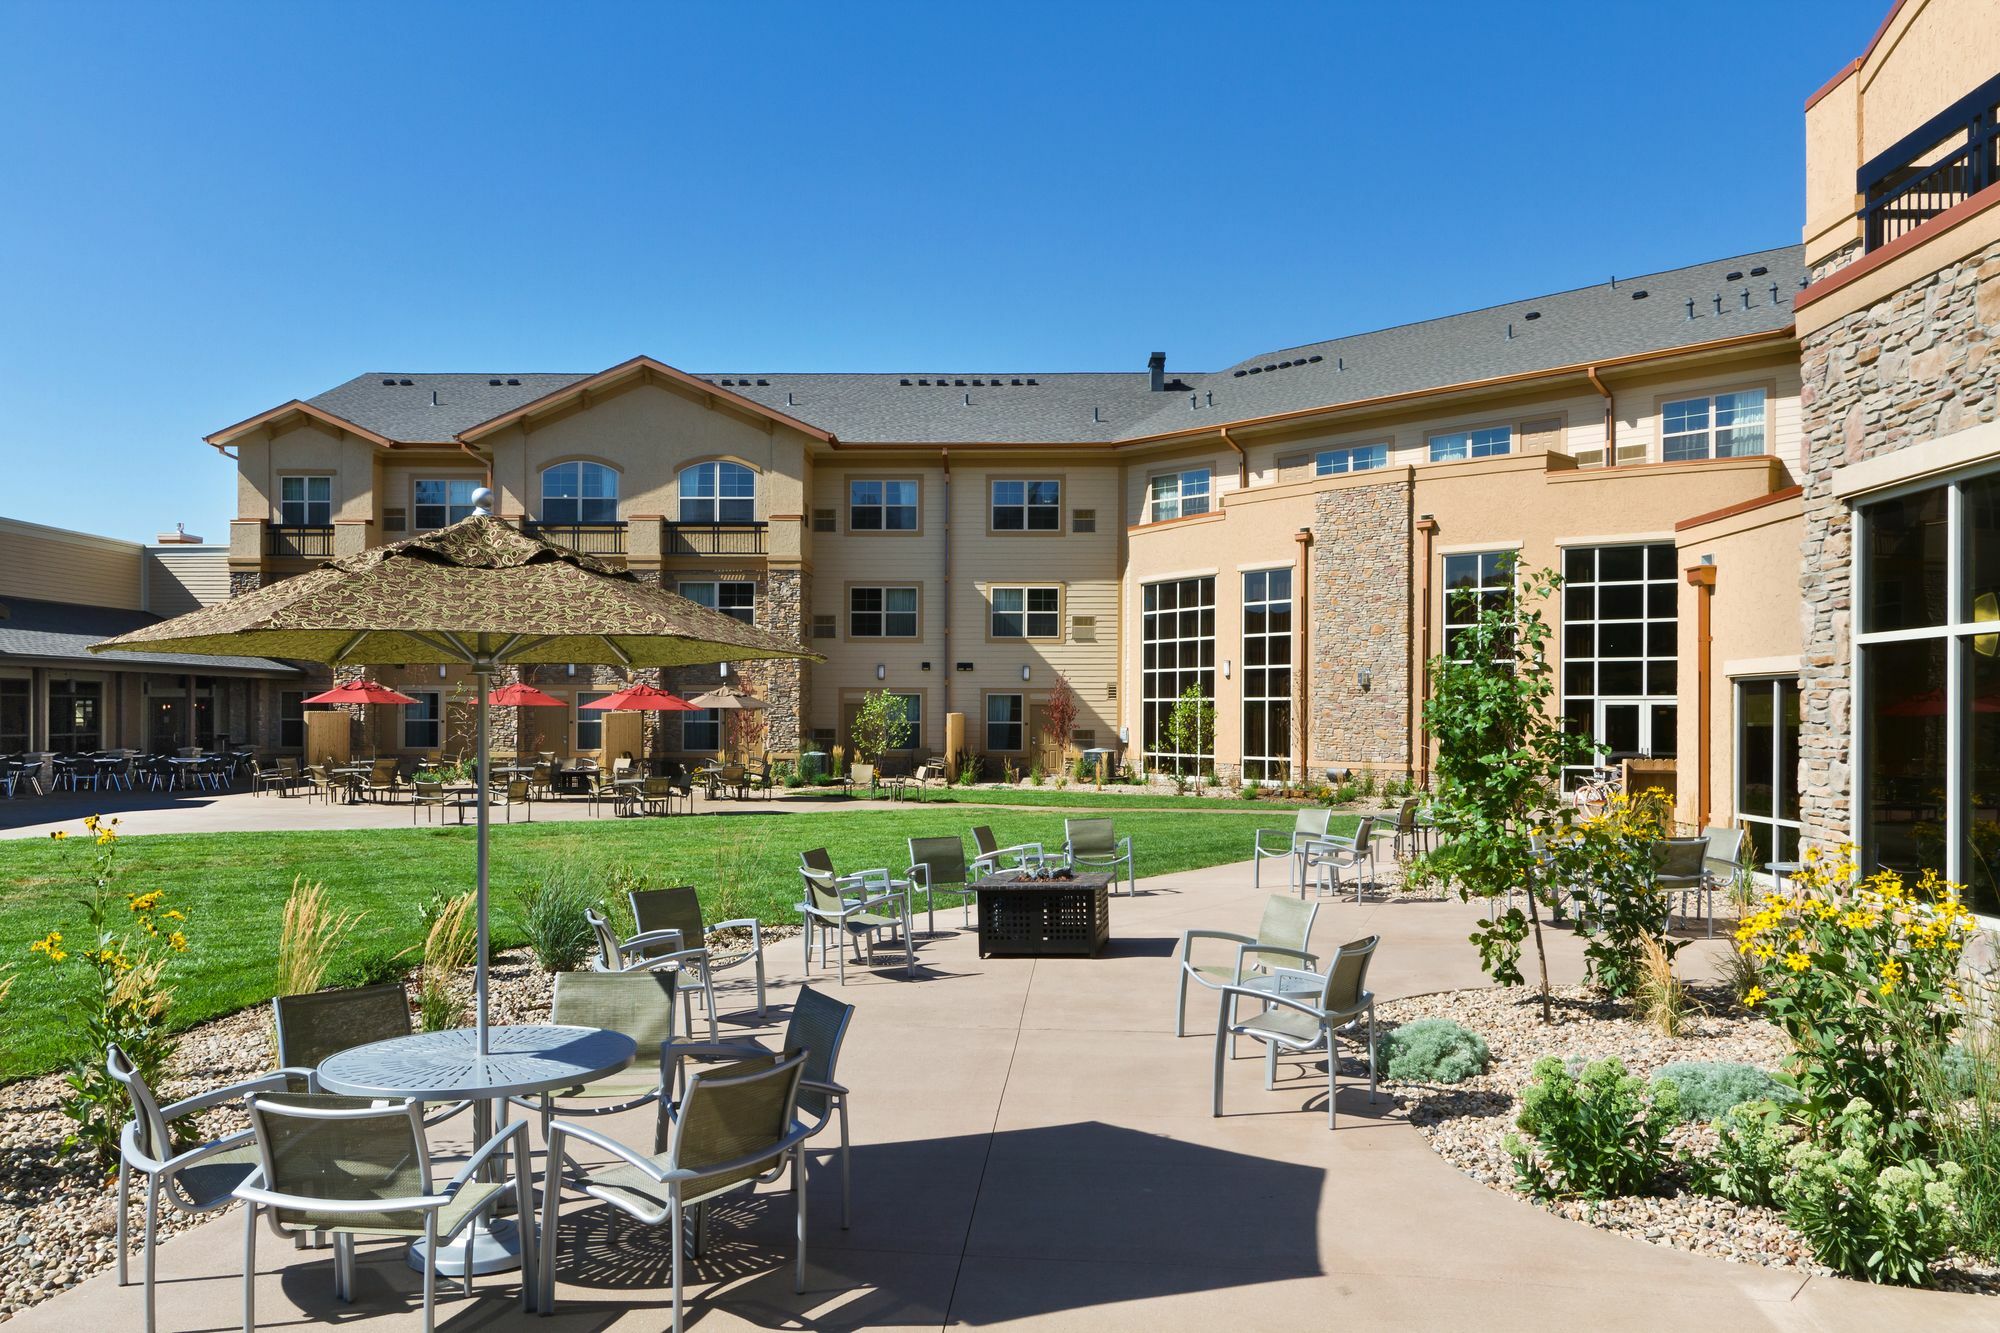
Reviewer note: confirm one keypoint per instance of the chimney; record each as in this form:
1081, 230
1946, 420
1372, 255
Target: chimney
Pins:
1156, 367
180, 536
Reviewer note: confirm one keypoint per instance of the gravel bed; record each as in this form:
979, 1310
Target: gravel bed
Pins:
1465, 1123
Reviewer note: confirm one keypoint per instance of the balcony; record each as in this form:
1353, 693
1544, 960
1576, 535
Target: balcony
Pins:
584, 538
712, 538
307, 543
1947, 161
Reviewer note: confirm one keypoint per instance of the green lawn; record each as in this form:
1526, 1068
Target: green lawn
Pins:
233, 885
1111, 798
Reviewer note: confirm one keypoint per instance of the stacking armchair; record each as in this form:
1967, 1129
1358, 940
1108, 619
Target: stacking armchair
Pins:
1308, 826
323, 1023
382, 779
1680, 868
657, 795
638, 1004
737, 1125
356, 1166
876, 908
1724, 865
1328, 857
1094, 844
199, 1179
920, 780
860, 775
647, 951
937, 865
1281, 938
513, 795
1304, 1011
1402, 834
427, 795
679, 909
993, 858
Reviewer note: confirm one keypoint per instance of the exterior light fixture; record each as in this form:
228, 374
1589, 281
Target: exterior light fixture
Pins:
1364, 678
881, 672
1024, 671
1225, 668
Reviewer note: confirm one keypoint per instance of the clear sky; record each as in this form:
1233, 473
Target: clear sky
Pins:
212, 209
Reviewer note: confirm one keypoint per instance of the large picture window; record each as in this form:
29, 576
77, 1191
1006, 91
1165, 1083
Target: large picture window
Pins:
1620, 664
1767, 766
423, 721
305, 502
575, 493
76, 716
437, 502
1026, 613
1267, 673
718, 493
1178, 652
1027, 506
882, 613
881, 506
1727, 425
1927, 681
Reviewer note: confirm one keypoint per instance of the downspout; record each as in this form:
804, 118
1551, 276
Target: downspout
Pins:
1302, 659
1701, 578
947, 667
1428, 527
1610, 418
483, 462
1242, 458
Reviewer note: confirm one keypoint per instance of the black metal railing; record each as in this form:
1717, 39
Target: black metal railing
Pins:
587, 538
1943, 163
306, 542
712, 538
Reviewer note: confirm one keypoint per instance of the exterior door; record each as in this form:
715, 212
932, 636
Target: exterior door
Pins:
1767, 768
1046, 749
1635, 729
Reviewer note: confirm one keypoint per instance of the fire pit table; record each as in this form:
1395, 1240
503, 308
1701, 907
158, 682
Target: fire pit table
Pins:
1024, 917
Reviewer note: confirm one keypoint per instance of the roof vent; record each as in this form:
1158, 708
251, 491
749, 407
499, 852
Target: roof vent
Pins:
406, 383
1256, 370
389, 383
514, 381
958, 384
1640, 295
493, 384
1156, 371
1271, 367
906, 384
763, 384
1284, 365
1737, 276
1241, 373
979, 384
1017, 381
1532, 314
729, 384
1315, 357
1759, 271
1033, 380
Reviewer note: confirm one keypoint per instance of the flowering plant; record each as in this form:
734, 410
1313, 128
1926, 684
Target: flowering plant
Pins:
1604, 862
1862, 974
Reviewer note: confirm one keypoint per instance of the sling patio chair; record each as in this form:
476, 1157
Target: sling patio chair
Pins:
1327, 857
828, 912
1094, 844
679, 909
1283, 933
638, 1004
1304, 1012
1308, 825
1724, 866
198, 1179
859, 775
992, 855
428, 795
359, 1166
382, 779
818, 1026
1680, 868
511, 795
323, 1023
1402, 833
937, 865
647, 951
737, 1126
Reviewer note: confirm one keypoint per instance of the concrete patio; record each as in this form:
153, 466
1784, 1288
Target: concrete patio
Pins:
1033, 1146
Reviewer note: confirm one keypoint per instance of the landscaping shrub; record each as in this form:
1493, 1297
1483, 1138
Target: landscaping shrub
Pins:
1752, 1139
1596, 1135
1708, 1088
1960, 1091
1881, 1223
1662, 1001
551, 915
1432, 1050
311, 938
1611, 853
448, 950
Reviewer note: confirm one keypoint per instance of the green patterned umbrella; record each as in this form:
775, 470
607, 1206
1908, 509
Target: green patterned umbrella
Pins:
478, 594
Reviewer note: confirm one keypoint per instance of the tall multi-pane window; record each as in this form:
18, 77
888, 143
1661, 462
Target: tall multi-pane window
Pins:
589, 721
1177, 495
1619, 660
305, 502
1474, 582
1767, 766
292, 719
1927, 679
579, 493
423, 721
718, 493
1489, 442
14, 713
76, 716
437, 502
882, 613
1178, 653
1006, 724
1027, 506
1267, 673
732, 597
1025, 613
1356, 458
1726, 425
881, 505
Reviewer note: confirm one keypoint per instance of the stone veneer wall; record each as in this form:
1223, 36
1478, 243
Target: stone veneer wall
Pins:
1361, 618
1917, 365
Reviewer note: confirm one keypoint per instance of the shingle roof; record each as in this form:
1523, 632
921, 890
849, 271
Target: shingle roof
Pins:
63, 632
1586, 324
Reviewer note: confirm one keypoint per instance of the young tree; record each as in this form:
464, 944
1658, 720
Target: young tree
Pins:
1190, 728
1059, 712
1501, 755
883, 724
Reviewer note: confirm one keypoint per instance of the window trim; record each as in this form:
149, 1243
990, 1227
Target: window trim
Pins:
847, 612
847, 504
1061, 481
1768, 682
577, 700
403, 719
478, 479
279, 506
1431, 437
1214, 505
1061, 613
579, 462
1656, 449
986, 721
1388, 448
681, 497
1510, 551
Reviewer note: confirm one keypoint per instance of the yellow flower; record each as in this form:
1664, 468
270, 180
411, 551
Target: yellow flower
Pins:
1755, 996
1797, 961
50, 945
145, 902
90, 822
178, 941
58, 835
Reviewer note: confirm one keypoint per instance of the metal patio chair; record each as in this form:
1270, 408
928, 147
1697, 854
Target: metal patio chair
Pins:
638, 1004
1308, 826
1680, 868
1094, 844
1309, 1018
827, 912
680, 909
937, 865
1325, 859
991, 854
1284, 932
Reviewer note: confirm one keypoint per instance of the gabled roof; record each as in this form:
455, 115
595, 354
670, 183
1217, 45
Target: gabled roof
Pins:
432, 409
222, 437
638, 365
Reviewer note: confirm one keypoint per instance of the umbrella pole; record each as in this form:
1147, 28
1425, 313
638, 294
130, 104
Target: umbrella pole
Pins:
482, 674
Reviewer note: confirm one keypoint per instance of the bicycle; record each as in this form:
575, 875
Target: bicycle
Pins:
1595, 794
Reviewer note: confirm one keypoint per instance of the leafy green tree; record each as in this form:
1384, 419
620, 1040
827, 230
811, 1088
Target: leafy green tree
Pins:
883, 724
1501, 755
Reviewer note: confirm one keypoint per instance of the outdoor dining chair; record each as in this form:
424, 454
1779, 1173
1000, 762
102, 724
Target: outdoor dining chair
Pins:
1283, 933
1402, 834
197, 1179
860, 775
381, 779
679, 909
1326, 858
427, 795
937, 865
991, 855
511, 795
828, 913
312, 1027
359, 1166
1309, 1018
737, 1125
1723, 865
1094, 844
1680, 868
1308, 825
638, 1004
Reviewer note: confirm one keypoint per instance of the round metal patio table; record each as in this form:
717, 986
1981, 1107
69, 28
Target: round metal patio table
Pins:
447, 1067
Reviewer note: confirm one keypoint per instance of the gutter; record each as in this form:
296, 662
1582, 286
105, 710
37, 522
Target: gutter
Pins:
1242, 458
1610, 418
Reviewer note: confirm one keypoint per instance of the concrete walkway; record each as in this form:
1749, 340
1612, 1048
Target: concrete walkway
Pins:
1034, 1147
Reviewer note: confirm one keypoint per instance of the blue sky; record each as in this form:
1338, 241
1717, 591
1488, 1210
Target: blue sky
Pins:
212, 209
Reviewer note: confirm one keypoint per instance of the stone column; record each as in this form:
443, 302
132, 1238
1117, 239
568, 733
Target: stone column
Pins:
1361, 623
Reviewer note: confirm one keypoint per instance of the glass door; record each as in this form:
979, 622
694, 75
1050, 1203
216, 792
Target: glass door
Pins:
1767, 768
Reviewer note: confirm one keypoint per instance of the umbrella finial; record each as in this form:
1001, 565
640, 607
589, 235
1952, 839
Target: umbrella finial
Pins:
482, 502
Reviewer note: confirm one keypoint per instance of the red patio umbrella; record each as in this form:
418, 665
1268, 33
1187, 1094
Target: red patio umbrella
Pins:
518, 696
642, 699
361, 692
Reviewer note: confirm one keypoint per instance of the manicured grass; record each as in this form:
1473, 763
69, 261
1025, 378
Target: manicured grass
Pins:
233, 885
1111, 798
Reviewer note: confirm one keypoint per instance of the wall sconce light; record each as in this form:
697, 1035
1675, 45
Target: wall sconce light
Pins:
440, 671
1024, 671
1124, 735
1225, 668
725, 671
1364, 678
572, 668
881, 672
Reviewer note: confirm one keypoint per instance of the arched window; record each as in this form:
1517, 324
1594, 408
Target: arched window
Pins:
718, 493
579, 493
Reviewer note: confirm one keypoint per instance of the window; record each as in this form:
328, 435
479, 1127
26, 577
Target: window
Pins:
76, 716
590, 723
702, 731
737, 599
1474, 583
14, 714
1027, 506
1488, 443
305, 502
882, 613
1026, 613
1767, 767
1620, 664
718, 493
1178, 651
423, 721
913, 712
438, 502
291, 719
575, 493
1359, 458
1267, 673
1006, 728
1177, 494
881, 506
1927, 588
1729, 425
